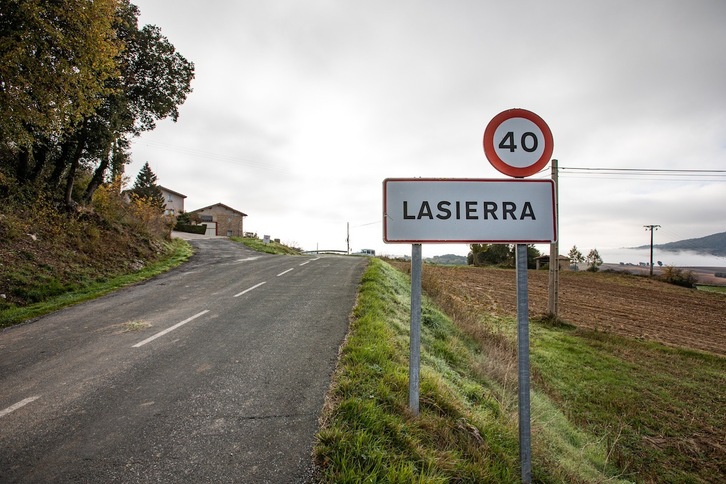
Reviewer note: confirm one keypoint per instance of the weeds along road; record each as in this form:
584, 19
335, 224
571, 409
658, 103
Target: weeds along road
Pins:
213, 372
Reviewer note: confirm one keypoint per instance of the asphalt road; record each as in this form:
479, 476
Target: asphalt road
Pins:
213, 372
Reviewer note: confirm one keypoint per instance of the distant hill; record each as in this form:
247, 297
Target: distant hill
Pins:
711, 244
450, 259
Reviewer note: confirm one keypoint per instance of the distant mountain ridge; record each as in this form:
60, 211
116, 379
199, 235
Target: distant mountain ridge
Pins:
711, 244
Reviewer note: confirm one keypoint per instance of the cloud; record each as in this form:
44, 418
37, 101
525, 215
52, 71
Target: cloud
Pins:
301, 109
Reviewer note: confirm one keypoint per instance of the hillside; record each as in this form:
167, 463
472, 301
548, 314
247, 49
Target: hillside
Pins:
448, 259
621, 304
604, 364
46, 254
714, 244
609, 404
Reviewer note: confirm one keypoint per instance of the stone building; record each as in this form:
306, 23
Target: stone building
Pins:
221, 220
173, 201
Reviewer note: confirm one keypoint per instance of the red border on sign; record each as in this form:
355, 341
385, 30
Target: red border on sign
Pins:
502, 165
466, 241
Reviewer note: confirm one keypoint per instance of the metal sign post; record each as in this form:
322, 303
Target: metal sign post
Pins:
525, 442
554, 265
518, 143
414, 364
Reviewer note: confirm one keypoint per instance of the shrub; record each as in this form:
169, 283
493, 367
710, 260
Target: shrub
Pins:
192, 229
139, 213
677, 276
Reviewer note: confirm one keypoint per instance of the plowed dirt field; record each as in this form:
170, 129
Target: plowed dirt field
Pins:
632, 306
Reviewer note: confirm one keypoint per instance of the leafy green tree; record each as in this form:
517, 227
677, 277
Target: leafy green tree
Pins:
150, 81
155, 81
532, 254
145, 187
55, 59
575, 255
593, 260
491, 254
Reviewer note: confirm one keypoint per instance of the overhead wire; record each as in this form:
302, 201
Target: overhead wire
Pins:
238, 160
654, 174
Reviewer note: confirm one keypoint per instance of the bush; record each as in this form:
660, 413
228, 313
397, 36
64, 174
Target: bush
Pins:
191, 229
679, 277
139, 213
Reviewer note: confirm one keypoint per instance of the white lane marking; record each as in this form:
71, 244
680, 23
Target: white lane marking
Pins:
18, 405
172, 328
306, 262
285, 272
248, 258
248, 290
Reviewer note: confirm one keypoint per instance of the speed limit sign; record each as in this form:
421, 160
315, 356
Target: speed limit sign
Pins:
518, 143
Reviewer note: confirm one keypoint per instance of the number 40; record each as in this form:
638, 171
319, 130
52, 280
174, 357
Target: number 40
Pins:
528, 137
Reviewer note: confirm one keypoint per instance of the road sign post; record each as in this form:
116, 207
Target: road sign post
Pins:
525, 439
468, 210
518, 143
414, 363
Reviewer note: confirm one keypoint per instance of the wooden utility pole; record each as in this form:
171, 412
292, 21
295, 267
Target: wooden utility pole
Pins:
652, 229
554, 266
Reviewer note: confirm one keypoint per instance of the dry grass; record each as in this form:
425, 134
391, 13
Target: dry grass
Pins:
658, 408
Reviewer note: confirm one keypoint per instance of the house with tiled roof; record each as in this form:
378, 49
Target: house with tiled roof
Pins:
221, 220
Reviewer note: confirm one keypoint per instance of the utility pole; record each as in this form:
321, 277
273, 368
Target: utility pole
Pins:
652, 229
554, 266
347, 236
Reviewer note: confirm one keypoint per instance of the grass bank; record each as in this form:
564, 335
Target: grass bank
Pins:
78, 289
660, 410
657, 409
467, 427
706, 287
271, 247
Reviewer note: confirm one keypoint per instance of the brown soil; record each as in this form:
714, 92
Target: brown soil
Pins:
632, 306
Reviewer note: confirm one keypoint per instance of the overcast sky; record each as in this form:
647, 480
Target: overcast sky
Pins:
301, 109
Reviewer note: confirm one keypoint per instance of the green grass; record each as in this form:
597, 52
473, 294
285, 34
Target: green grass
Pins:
659, 409
52, 295
467, 427
270, 248
719, 289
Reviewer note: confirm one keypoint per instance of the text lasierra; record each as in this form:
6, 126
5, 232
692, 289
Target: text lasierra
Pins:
468, 210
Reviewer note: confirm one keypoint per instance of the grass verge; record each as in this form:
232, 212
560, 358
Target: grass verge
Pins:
271, 247
705, 287
467, 427
658, 410
178, 252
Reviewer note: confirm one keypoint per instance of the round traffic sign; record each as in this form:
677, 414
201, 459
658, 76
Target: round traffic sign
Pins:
518, 143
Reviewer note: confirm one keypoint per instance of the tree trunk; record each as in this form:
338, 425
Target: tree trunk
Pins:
40, 156
60, 164
97, 176
75, 161
22, 165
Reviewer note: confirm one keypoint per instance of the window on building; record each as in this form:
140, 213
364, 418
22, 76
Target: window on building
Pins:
206, 218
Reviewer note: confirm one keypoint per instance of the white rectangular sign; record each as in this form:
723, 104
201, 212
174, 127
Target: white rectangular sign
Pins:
452, 210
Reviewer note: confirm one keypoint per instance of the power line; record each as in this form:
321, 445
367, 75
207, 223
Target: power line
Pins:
238, 160
656, 174
652, 228
366, 224
642, 170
